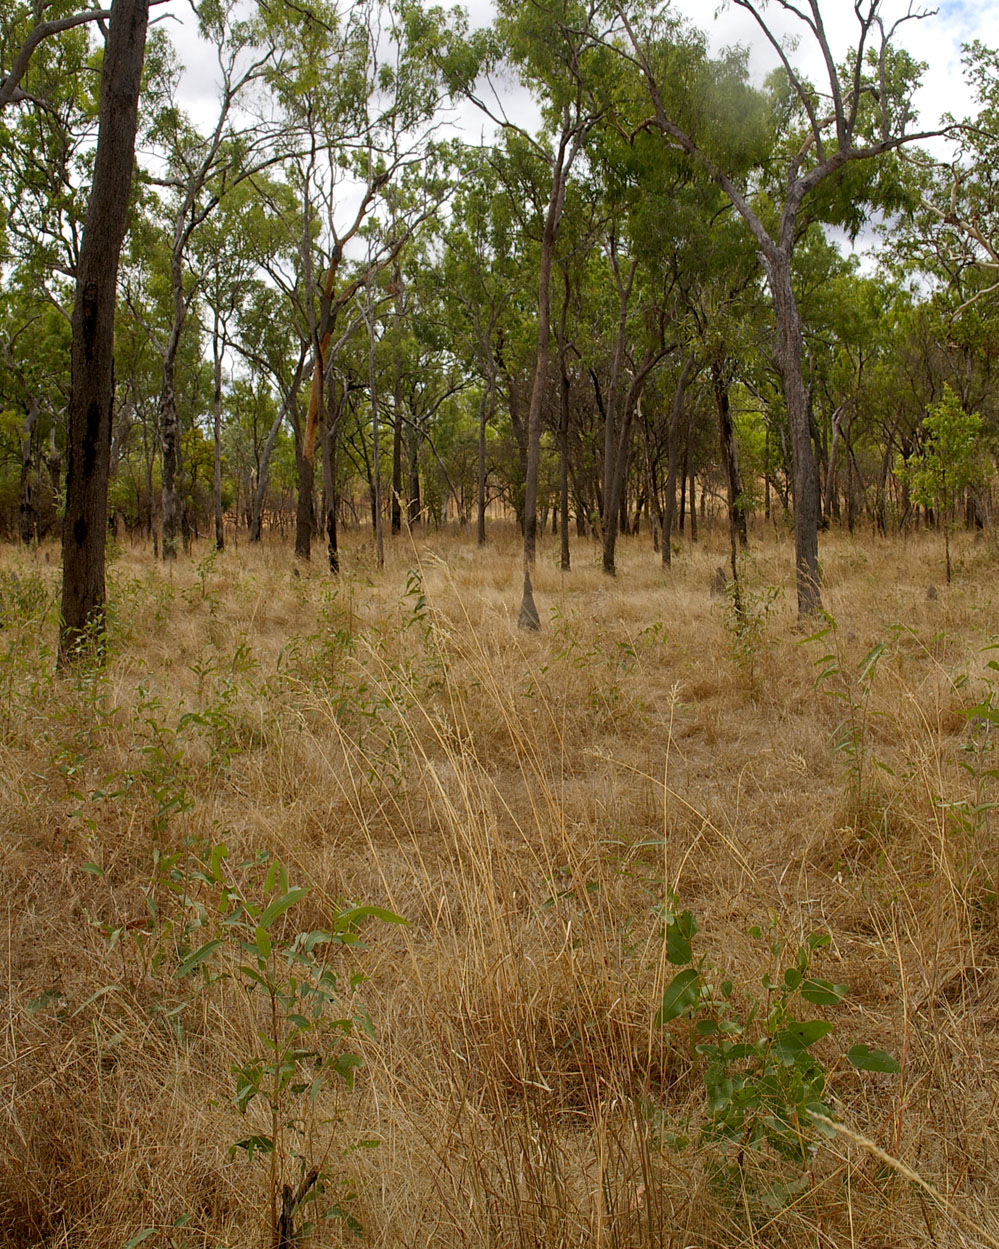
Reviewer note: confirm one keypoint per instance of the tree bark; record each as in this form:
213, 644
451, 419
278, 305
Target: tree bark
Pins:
787, 360
92, 361
26, 509
672, 452
738, 528
217, 437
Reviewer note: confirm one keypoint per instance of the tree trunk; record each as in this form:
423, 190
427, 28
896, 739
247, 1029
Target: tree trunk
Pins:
170, 432
376, 488
415, 499
217, 438
787, 360
396, 525
26, 509
672, 451
480, 467
92, 361
529, 618
331, 432
726, 437
305, 517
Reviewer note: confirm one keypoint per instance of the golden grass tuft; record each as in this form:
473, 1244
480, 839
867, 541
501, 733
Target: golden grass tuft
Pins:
527, 803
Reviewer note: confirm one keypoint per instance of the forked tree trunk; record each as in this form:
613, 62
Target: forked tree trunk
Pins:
92, 360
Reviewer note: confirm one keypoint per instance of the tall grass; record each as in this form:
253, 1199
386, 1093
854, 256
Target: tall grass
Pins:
529, 804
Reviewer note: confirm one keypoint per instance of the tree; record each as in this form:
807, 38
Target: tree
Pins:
949, 461
92, 385
869, 115
22, 29
550, 42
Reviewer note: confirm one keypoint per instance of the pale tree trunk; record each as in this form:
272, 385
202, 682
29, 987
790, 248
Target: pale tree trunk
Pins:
787, 360
217, 436
169, 417
529, 618
415, 500
92, 360
397, 422
376, 489
829, 505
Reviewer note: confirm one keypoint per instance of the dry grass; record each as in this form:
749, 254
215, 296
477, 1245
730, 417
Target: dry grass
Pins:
526, 802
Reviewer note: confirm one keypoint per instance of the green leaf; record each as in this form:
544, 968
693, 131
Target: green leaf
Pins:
256, 977
823, 992
678, 937
345, 1066
280, 905
802, 1035
198, 957
139, 1237
681, 992
263, 940
260, 1144
865, 1059
355, 914
94, 870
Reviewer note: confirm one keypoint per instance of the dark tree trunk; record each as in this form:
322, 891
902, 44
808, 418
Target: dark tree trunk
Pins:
331, 431
305, 517
672, 452
92, 362
726, 437
26, 509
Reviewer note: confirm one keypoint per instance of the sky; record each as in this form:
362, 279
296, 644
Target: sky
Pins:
935, 39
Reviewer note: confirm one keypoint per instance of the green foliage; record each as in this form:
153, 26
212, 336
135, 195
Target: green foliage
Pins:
214, 926
764, 1082
950, 460
748, 614
852, 687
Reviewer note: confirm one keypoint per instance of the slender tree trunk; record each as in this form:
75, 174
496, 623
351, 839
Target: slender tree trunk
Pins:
563, 474
330, 434
480, 468
376, 492
693, 503
828, 501
415, 498
529, 618
217, 438
397, 422
92, 361
726, 437
26, 509
170, 432
305, 518
672, 452
787, 360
